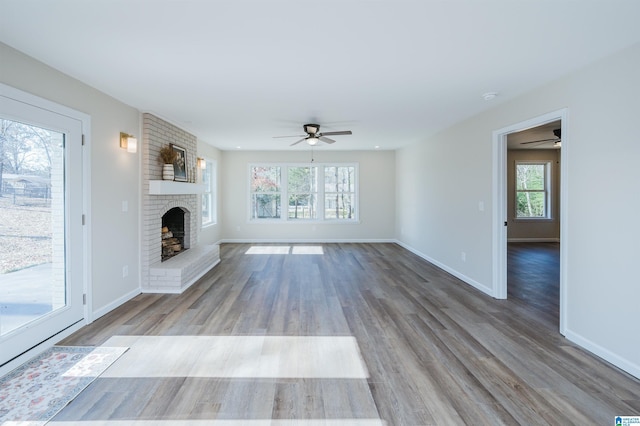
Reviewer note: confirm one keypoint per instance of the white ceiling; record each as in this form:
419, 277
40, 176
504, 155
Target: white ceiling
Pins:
237, 72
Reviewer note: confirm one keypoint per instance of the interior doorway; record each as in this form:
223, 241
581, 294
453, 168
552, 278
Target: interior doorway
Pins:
533, 217
525, 210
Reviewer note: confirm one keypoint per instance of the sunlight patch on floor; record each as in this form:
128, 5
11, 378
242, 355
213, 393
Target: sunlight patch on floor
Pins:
238, 357
285, 250
268, 250
307, 250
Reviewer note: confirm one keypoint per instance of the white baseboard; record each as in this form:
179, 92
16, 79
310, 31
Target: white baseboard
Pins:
533, 240
473, 283
607, 355
116, 303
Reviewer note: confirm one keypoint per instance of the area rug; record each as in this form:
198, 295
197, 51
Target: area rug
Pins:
36, 391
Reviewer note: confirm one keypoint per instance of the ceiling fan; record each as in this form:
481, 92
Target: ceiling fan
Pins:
556, 141
313, 135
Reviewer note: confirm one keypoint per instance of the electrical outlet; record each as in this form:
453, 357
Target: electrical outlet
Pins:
125, 271
463, 256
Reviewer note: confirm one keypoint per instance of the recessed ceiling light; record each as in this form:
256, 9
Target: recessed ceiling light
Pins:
377, 147
238, 147
489, 95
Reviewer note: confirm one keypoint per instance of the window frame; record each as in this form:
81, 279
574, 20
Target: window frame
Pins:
546, 191
319, 193
211, 165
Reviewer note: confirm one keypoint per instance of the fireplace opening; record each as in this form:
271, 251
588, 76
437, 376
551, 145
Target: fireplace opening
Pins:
174, 230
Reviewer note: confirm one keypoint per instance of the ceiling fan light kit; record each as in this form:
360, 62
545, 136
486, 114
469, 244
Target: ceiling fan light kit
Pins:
313, 135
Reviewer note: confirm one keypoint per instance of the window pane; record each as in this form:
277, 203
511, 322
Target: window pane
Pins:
265, 206
206, 208
303, 179
265, 179
32, 220
339, 179
530, 176
206, 176
339, 206
530, 204
302, 206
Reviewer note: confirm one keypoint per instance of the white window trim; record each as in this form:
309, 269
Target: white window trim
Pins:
320, 194
547, 191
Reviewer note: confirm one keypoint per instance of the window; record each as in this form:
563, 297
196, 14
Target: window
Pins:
302, 184
209, 196
265, 192
307, 198
339, 192
532, 190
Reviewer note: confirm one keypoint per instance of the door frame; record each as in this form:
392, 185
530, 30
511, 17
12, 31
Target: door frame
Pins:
500, 216
85, 122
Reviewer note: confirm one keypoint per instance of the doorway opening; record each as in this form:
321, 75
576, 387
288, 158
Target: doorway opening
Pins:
529, 197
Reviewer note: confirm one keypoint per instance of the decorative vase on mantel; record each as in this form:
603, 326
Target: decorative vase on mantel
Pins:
167, 172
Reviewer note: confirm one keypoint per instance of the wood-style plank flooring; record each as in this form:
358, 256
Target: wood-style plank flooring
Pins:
533, 278
437, 351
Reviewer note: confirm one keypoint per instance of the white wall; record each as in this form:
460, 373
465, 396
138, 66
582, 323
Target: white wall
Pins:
377, 198
439, 216
114, 173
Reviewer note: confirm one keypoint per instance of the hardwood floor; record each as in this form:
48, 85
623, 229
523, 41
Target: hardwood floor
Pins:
437, 351
533, 278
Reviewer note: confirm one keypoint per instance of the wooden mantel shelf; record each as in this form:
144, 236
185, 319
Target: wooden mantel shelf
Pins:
169, 187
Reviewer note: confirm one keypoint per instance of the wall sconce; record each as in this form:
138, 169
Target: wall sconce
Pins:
202, 164
128, 142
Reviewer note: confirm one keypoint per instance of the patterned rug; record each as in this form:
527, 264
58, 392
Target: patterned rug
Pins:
36, 391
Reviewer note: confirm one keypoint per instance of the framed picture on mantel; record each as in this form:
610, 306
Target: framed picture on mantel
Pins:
180, 164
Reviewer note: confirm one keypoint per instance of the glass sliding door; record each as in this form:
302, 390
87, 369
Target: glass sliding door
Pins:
41, 260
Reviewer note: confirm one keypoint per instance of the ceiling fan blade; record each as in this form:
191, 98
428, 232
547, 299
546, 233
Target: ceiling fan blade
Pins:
296, 143
343, 132
326, 140
539, 140
292, 136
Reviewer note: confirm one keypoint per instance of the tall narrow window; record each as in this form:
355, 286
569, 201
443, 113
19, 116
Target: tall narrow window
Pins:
208, 197
532, 190
303, 192
339, 192
265, 192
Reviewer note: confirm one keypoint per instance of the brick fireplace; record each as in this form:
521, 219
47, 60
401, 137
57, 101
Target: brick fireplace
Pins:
175, 273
